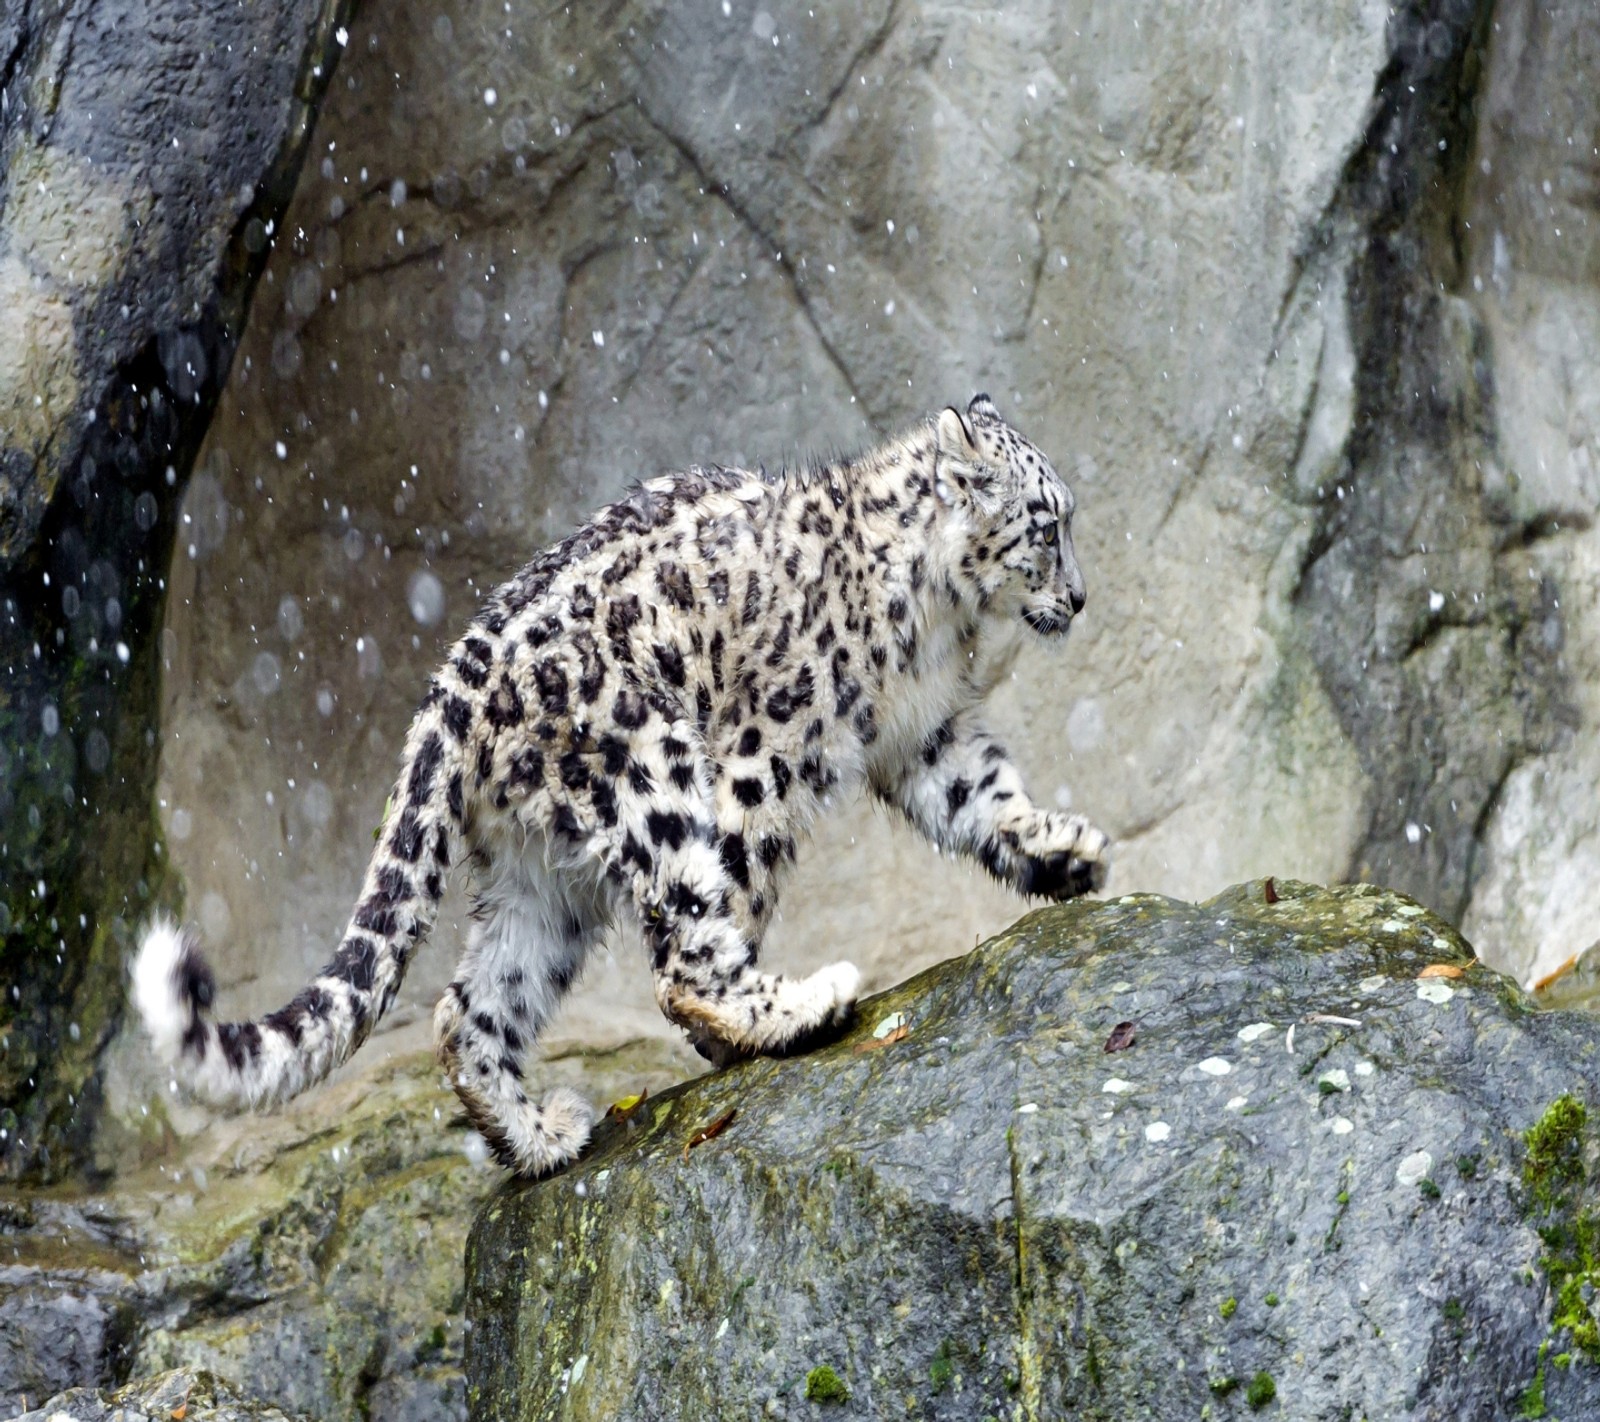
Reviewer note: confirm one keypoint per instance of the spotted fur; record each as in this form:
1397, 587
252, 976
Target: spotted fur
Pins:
645, 720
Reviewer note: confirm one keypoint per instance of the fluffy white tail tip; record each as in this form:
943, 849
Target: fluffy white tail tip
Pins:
170, 985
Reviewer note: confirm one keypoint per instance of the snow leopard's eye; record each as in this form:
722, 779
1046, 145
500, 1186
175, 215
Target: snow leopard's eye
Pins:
1050, 535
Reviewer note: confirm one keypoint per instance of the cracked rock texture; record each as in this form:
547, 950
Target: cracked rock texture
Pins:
312, 1258
1277, 284
200, 1396
1309, 1165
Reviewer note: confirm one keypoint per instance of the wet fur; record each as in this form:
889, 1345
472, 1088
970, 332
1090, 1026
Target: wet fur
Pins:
644, 722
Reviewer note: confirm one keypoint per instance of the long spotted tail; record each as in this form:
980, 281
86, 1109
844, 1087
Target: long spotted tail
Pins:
239, 1064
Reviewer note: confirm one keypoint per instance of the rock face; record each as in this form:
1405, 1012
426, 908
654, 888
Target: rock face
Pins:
313, 1258
1310, 1178
194, 1395
1534, 267
1237, 269
145, 152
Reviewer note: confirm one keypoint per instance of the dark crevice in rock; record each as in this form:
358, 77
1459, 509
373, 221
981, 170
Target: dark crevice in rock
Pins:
871, 46
1413, 600
1026, 1363
92, 504
8, 70
79, 718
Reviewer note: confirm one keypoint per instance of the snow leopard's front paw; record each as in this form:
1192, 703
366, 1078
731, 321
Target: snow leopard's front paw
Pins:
717, 1051
825, 1004
1076, 861
836, 987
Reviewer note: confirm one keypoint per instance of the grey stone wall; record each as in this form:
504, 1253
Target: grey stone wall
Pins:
1301, 296
1532, 259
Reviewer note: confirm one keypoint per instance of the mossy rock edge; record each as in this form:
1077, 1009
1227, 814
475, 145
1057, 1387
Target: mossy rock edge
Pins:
311, 1256
994, 1217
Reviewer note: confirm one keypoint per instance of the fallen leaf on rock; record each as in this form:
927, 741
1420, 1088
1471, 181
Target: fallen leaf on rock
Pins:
1555, 974
706, 1133
621, 1110
180, 1411
889, 1023
1442, 970
1121, 1037
889, 1038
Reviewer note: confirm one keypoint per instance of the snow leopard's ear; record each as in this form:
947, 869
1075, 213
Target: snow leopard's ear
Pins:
981, 407
955, 434
963, 473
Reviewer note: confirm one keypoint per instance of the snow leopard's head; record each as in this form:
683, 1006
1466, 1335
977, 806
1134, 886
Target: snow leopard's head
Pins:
1018, 559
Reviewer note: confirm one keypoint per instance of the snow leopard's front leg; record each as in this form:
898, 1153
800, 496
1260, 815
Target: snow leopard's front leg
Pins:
962, 791
693, 903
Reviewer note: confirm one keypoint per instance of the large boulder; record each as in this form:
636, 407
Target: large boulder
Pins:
1337, 1168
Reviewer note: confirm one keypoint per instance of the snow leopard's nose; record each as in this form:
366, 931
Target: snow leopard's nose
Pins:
1072, 587
1069, 577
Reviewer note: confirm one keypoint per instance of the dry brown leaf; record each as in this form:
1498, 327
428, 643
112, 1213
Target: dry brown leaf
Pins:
1121, 1037
706, 1133
899, 1034
1442, 970
1556, 974
1271, 892
180, 1411
621, 1110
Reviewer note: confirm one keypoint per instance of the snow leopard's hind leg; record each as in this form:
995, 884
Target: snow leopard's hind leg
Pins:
533, 926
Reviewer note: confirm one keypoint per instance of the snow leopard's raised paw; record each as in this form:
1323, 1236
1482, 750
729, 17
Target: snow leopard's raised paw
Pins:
1080, 866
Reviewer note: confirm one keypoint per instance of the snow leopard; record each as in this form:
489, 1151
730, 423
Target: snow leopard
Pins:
643, 723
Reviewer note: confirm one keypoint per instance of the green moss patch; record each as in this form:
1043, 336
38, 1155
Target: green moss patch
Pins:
1531, 1403
1556, 1174
1261, 1391
1555, 1142
825, 1385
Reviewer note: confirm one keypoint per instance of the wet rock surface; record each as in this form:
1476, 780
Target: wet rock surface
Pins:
1306, 1183
191, 1394
146, 151
312, 1258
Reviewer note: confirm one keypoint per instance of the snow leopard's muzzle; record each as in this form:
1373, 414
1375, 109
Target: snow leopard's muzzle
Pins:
1048, 621
1052, 617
